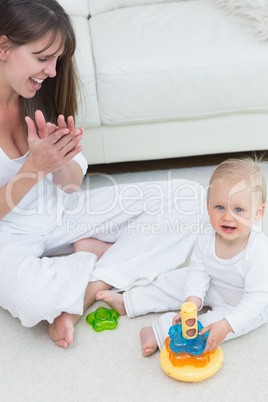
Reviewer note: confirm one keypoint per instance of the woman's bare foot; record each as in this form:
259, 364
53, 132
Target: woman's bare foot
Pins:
92, 245
61, 331
113, 299
148, 341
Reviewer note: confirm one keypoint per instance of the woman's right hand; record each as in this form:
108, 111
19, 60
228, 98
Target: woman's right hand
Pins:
50, 152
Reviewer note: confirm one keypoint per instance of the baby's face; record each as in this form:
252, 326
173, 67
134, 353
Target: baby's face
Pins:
233, 206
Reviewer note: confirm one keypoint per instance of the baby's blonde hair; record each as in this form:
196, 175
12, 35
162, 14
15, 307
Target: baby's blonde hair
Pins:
244, 168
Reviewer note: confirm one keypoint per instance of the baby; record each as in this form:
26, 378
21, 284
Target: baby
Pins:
228, 271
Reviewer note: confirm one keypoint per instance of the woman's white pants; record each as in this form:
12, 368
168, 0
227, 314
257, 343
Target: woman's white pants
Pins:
153, 227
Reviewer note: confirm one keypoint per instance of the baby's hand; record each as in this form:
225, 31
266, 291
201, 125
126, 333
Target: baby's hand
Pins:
196, 300
217, 333
176, 320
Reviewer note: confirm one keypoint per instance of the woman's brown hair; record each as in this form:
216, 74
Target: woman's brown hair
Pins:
25, 21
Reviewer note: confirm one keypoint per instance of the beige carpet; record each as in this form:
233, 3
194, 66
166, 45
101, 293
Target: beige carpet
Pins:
108, 366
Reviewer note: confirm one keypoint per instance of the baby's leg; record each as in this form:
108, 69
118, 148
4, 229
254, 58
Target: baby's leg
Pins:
165, 293
155, 336
161, 327
148, 341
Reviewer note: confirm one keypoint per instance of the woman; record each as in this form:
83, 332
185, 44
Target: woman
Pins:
43, 214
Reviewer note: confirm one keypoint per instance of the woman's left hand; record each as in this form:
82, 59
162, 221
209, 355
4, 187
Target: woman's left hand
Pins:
46, 129
69, 177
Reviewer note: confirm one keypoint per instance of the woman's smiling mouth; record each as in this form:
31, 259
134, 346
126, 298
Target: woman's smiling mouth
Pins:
36, 82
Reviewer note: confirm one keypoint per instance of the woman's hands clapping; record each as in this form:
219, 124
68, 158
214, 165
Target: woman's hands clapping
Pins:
53, 147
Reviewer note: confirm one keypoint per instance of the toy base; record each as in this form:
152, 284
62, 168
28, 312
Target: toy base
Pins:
191, 373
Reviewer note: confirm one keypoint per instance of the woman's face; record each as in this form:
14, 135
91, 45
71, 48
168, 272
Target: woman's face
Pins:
24, 70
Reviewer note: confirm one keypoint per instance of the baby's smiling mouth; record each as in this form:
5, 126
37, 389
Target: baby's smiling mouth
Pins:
228, 228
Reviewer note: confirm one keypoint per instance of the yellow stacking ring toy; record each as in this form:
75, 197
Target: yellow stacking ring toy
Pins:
183, 357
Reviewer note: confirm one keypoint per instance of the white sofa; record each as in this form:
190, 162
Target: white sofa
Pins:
165, 79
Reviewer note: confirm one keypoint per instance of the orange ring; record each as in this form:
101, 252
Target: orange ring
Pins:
191, 373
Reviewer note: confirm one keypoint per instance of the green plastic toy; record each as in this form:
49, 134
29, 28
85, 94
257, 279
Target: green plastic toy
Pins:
103, 318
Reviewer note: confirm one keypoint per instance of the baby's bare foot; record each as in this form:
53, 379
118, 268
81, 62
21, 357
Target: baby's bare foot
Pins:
148, 341
113, 299
62, 330
92, 245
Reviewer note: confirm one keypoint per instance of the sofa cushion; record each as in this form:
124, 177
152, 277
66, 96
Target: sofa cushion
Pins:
78, 8
174, 61
101, 6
